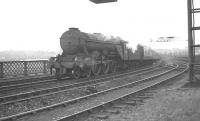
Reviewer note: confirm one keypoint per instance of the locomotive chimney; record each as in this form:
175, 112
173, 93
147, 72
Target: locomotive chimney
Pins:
74, 29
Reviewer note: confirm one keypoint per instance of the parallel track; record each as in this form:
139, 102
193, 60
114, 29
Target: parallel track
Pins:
49, 91
14, 81
34, 94
26, 82
55, 105
23, 84
129, 89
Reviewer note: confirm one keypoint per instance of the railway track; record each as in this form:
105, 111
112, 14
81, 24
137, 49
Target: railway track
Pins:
31, 84
23, 83
44, 92
135, 98
50, 91
15, 81
8, 98
120, 98
54, 105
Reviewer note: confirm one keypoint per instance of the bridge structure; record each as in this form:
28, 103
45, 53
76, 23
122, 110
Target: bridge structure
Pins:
14, 69
36, 68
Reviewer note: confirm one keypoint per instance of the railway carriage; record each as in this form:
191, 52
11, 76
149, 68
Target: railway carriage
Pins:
87, 54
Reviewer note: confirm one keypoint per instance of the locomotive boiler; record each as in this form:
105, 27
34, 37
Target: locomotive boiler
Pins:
87, 54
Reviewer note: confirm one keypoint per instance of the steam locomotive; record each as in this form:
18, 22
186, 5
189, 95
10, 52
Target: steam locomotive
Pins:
86, 55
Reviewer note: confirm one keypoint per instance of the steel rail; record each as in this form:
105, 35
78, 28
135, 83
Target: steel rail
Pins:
46, 92
28, 84
24, 81
125, 95
83, 97
12, 79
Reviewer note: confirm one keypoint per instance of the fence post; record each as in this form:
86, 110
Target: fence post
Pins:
25, 68
44, 67
1, 70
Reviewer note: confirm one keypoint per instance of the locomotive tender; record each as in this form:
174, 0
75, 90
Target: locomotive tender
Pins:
87, 54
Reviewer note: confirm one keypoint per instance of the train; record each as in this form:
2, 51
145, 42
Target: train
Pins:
85, 55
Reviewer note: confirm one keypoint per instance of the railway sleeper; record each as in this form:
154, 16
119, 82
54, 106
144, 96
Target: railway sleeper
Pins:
133, 103
100, 116
119, 106
112, 111
143, 96
136, 99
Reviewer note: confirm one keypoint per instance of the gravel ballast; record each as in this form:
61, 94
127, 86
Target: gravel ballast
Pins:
23, 106
169, 104
82, 105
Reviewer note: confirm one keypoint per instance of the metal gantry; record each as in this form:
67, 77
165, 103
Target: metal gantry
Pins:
102, 1
192, 11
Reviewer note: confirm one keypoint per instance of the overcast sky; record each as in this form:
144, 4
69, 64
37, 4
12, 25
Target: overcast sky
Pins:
38, 24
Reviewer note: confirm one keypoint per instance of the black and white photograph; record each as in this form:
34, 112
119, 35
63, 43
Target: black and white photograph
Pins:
99, 60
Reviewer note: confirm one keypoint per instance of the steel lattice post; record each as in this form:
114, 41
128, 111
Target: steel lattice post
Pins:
25, 68
1, 70
190, 41
44, 67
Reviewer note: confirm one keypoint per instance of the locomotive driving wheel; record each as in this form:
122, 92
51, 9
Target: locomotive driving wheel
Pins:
105, 68
113, 67
76, 72
96, 69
